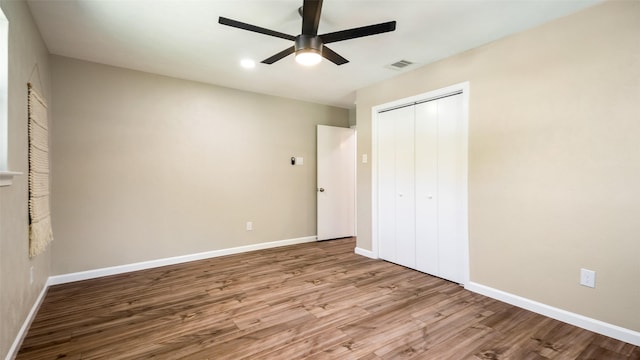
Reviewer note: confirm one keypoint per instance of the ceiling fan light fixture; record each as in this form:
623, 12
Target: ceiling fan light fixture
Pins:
308, 57
308, 50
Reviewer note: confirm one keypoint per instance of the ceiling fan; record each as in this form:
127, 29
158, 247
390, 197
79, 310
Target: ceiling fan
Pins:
309, 47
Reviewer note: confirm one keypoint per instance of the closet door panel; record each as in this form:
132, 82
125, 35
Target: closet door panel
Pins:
405, 186
426, 170
386, 186
450, 188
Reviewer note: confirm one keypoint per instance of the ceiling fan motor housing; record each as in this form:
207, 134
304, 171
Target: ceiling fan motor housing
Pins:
308, 43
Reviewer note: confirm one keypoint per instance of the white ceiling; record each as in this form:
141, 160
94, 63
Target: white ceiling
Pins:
182, 38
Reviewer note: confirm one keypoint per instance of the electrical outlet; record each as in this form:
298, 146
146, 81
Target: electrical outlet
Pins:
249, 225
588, 278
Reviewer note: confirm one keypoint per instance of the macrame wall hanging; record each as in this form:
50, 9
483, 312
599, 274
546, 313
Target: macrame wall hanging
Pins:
40, 234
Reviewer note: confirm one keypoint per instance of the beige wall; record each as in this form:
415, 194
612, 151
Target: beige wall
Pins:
554, 162
149, 167
17, 294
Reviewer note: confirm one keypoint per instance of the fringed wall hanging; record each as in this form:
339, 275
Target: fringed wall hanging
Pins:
40, 234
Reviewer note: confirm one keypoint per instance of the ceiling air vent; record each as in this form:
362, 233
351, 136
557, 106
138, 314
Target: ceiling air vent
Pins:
399, 65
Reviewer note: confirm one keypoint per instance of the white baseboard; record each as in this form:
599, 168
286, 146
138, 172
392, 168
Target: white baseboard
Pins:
365, 253
114, 270
13, 350
597, 326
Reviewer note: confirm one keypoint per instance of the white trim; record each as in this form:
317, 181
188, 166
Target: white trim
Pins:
464, 87
364, 252
4, 92
13, 350
597, 326
114, 270
374, 181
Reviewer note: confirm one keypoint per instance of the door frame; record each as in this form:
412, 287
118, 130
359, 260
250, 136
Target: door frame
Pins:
462, 88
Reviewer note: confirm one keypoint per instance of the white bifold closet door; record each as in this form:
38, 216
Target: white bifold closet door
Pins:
396, 184
421, 187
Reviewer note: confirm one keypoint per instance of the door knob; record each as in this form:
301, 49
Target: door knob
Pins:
321, 189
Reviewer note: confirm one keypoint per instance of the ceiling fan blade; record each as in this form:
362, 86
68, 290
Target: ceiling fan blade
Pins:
358, 32
333, 56
279, 56
311, 16
249, 27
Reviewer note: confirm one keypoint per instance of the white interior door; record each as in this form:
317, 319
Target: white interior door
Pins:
336, 181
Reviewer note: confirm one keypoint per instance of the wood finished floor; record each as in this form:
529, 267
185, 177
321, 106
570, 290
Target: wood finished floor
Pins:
311, 301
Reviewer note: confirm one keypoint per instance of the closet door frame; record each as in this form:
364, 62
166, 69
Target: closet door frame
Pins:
462, 88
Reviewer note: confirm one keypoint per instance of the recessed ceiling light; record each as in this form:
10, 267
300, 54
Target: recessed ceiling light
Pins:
247, 63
